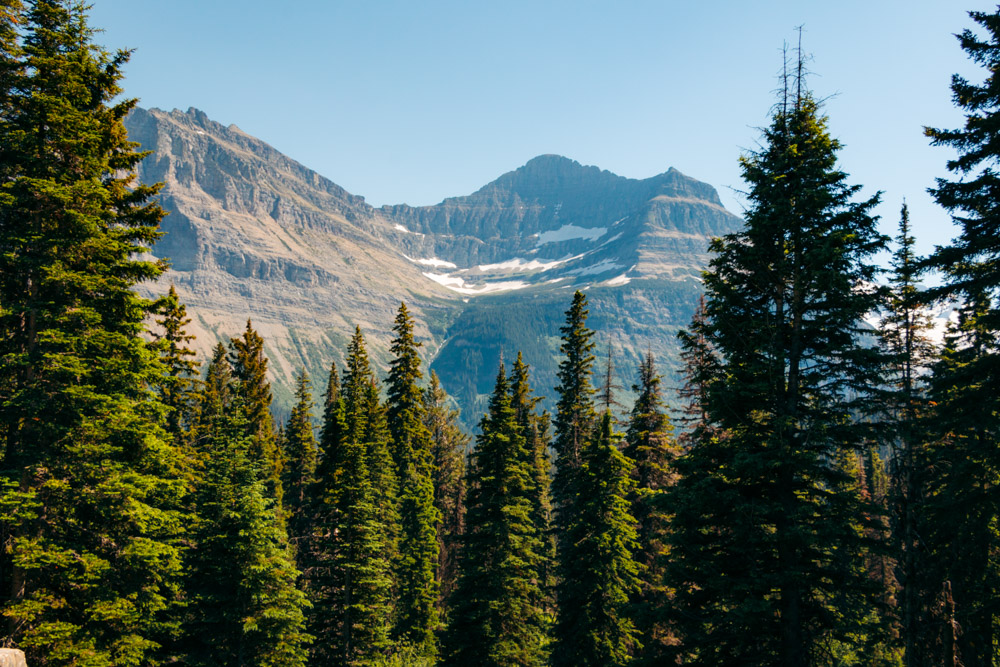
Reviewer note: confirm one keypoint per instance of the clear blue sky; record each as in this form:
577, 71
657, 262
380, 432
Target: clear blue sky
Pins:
412, 102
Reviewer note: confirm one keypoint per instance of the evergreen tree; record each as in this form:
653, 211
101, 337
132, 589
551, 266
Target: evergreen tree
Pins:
957, 523
179, 386
350, 581
767, 541
575, 417
972, 278
300, 451
249, 364
496, 619
598, 573
245, 608
534, 429
650, 444
316, 554
448, 448
92, 485
411, 441
904, 330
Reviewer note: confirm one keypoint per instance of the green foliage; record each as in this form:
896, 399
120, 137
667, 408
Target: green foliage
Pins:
535, 431
650, 444
961, 516
244, 607
575, 417
496, 619
598, 573
179, 385
767, 543
449, 445
300, 454
417, 585
93, 486
348, 578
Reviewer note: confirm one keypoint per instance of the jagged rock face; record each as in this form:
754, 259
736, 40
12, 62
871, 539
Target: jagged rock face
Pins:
253, 234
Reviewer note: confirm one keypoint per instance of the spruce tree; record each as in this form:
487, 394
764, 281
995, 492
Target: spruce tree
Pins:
957, 522
575, 417
316, 553
535, 430
448, 448
349, 580
411, 445
179, 386
904, 333
496, 618
971, 268
650, 444
244, 607
249, 363
300, 454
92, 484
598, 574
767, 541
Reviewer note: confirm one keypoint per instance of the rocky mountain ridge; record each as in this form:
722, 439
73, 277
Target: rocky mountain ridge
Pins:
254, 234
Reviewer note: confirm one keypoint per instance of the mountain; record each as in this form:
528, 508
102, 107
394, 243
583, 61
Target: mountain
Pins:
254, 234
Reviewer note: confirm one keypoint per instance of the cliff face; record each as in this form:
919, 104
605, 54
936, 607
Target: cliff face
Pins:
254, 234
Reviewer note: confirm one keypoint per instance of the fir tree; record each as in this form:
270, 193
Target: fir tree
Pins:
767, 541
350, 582
179, 386
971, 266
249, 364
411, 441
245, 608
534, 429
575, 417
957, 523
650, 444
904, 330
448, 448
299, 447
316, 554
496, 619
93, 486
598, 573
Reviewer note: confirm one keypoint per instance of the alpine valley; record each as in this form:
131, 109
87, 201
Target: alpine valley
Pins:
253, 234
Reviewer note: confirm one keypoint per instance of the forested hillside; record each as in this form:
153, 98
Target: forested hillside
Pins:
825, 496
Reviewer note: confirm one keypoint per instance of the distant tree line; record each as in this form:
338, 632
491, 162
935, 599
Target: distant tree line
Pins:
833, 497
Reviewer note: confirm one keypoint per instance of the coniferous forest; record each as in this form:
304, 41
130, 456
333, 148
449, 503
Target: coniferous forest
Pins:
827, 493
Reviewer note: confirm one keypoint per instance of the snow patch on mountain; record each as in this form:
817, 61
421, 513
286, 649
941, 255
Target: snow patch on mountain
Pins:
433, 261
456, 284
517, 264
570, 232
618, 281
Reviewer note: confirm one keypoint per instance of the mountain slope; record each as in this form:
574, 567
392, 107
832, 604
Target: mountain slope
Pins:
252, 233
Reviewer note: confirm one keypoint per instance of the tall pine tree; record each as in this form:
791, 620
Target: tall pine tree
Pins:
249, 363
349, 580
179, 386
417, 609
650, 444
244, 607
767, 554
971, 267
598, 574
300, 455
448, 448
92, 563
496, 618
